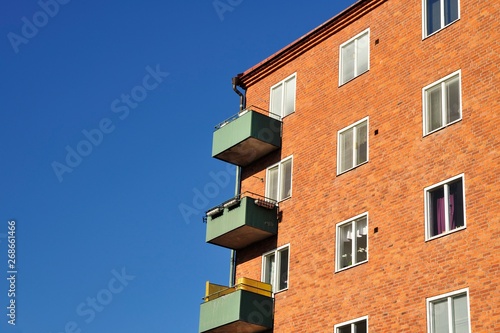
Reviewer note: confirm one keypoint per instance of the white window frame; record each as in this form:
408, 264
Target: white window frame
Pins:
444, 105
427, 203
277, 263
449, 297
354, 150
350, 322
338, 258
284, 92
341, 62
280, 197
443, 24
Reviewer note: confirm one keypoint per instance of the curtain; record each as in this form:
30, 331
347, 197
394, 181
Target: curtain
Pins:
440, 216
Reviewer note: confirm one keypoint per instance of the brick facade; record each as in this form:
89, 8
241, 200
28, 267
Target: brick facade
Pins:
403, 269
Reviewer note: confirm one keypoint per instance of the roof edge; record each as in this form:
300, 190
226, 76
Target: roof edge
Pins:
306, 42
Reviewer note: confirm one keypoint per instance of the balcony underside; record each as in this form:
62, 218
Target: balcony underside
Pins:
240, 327
241, 237
246, 152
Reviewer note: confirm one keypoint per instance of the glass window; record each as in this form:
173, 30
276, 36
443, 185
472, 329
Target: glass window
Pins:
354, 57
449, 313
445, 209
438, 14
283, 98
442, 103
355, 326
352, 242
275, 268
352, 146
279, 180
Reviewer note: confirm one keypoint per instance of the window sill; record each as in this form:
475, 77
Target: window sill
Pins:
285, 199
280, 291
435, 32
349, 267
442, 127
445, 234
354, 167
354, 78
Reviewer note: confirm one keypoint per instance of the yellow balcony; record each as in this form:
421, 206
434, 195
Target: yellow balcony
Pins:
247, 307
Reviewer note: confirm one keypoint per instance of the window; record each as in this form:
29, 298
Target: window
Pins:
279, 180
444, 207
449, 313
438, 14
352, 146
359, 325
352, 242
283, 98
354, 57
275, 268
442, 103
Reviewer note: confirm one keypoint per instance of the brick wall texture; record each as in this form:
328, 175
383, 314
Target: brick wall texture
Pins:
403, 269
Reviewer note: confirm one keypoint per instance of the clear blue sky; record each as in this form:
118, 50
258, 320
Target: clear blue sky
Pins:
107, 111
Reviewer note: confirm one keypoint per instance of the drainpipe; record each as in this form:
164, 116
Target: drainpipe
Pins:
237, 83
237, 189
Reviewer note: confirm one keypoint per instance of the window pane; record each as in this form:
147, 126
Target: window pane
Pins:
276, 101
434, 103
269, 268
348, 61
453, 100
344, 329
440, 317
289, 106
346, 143
433, 16
360, 327
363, 45
286, 179
450, 11
283, 277
345, 245
460, 314
361, 149
272, 183
361, 240
437, 223
456, 207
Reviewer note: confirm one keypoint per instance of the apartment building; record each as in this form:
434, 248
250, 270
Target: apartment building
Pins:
369, 177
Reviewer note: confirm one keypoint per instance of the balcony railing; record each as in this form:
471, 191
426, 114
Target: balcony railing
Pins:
246, 137
247, 307
241, 221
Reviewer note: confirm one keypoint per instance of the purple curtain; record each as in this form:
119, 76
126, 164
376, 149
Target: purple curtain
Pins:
440, 217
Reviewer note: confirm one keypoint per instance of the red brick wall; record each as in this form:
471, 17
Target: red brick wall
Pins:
403, 269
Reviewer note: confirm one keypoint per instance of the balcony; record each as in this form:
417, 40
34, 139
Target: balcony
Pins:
246, 137
242, 221
247, 307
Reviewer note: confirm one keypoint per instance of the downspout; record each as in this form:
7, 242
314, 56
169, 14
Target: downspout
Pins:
237, 188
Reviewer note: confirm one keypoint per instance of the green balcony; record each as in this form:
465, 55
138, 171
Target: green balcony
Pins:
242, 221
245, 138
247, 307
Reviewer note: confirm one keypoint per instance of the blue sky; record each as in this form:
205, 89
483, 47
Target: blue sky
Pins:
107, 111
